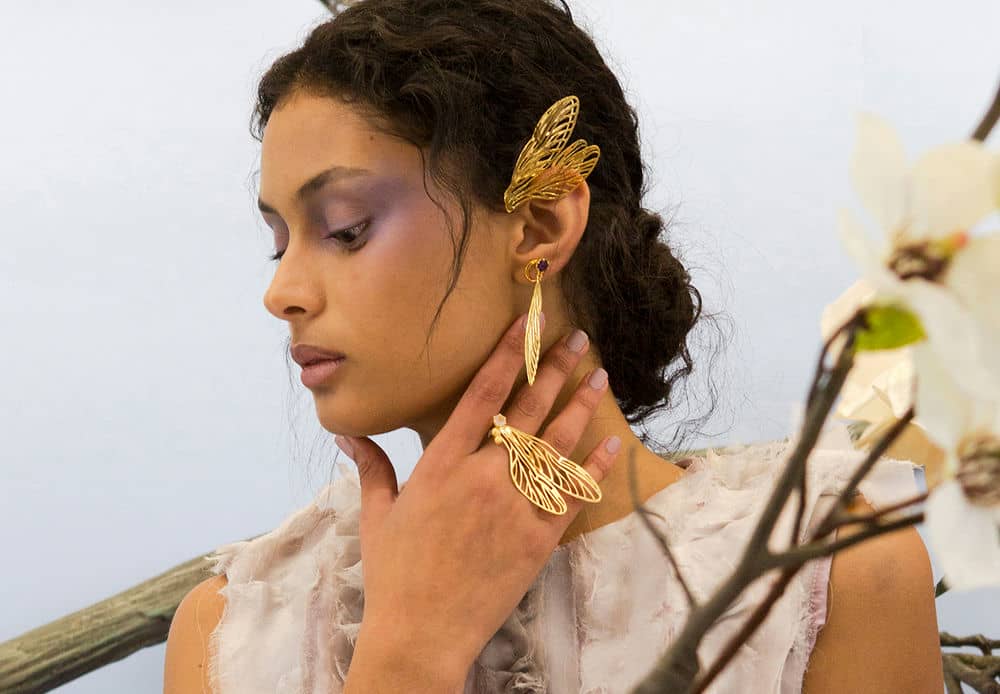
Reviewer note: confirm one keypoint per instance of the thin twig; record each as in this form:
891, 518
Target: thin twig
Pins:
644, 515
790, 563
814, 550
876, 452
746, 631
852, 518
989, 119
678, 667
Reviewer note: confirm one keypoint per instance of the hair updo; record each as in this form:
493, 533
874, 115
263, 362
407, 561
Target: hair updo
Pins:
468, 81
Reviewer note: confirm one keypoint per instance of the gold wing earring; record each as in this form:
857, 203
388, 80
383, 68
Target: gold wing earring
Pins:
547, 170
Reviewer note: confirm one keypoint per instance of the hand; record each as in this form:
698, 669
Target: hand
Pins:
449, 558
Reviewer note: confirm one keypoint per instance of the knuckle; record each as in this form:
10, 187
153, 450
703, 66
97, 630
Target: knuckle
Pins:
529, 405
588, 395
564, 361
489, 390
514, 341
562, 441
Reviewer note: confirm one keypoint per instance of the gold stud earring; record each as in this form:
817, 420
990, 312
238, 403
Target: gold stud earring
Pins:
533, 330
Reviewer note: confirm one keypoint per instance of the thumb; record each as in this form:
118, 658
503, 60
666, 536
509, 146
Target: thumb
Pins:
376, 474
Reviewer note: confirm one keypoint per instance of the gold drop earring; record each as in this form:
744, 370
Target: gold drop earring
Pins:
547, 170
533, 330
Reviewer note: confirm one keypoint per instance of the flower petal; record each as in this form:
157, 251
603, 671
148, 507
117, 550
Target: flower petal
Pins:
867, 379
869, 255
898, 384
996, 178
953, 188
942, 409
964, 537
954, 333
973, 275
878, 169
843, 307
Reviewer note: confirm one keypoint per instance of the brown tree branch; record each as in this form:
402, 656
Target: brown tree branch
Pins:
990, 118
977, 671
876, 452
677, 668
51, 655
986, 645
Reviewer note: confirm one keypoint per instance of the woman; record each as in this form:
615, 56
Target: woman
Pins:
395, 121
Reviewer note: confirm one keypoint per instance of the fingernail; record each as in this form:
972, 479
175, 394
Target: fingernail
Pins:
613, 444
598, 379
577, 341
541, 320
345, 445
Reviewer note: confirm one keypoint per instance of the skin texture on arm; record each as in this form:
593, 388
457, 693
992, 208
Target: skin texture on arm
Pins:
376, 670
185, 669
881, 632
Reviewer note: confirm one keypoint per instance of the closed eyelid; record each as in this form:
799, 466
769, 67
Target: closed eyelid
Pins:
347, 191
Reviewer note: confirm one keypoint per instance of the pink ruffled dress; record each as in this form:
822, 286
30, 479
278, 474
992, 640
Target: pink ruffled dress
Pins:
598, 615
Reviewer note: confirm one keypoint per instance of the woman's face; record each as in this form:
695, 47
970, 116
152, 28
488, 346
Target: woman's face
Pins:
375, 303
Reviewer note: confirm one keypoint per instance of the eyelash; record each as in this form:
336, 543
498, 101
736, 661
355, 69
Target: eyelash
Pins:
355, 231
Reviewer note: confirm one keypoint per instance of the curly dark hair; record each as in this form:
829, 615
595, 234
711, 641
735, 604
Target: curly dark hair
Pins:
467, 80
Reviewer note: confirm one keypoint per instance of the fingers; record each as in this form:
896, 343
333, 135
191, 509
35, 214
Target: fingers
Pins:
532, 404
598, 463
472, 418
564, 431
378, 484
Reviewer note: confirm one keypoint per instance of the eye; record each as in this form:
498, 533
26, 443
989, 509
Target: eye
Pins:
347, 236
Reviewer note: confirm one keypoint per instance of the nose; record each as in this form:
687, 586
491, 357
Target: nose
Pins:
295, 288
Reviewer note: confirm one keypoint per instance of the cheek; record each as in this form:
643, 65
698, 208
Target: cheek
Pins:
396, 282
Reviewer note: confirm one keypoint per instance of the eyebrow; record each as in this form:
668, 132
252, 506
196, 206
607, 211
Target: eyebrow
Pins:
334, 173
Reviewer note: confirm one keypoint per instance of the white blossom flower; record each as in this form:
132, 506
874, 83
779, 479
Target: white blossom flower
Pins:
963, 512
927, 258
879, 389
938, 260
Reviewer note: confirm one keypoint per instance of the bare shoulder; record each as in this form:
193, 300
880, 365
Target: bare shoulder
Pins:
881, 632
186, 662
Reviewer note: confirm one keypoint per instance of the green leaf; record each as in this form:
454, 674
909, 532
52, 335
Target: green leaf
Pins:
941, 588
888, 327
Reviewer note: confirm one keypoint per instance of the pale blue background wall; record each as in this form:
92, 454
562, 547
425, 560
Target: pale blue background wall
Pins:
144, 396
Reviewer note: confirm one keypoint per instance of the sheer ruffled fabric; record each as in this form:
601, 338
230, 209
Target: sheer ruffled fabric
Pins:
597, 616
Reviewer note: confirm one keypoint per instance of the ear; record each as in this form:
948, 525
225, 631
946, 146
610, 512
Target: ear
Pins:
551, 229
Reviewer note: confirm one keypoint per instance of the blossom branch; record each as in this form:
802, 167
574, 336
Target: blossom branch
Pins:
843, 518
876, 452
677, 668
989, 119
791, 563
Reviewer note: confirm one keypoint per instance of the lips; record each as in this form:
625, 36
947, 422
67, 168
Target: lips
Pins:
304, 355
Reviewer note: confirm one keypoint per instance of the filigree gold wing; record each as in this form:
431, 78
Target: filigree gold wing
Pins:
544, 168
533, 335
539, 490
568, 477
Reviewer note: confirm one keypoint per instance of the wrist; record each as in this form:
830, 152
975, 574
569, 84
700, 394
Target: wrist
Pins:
384, 662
